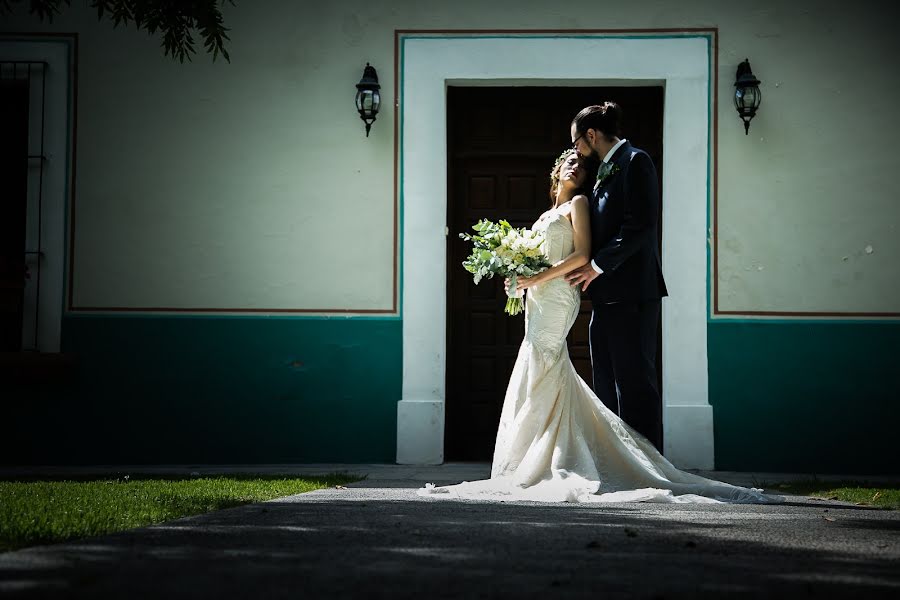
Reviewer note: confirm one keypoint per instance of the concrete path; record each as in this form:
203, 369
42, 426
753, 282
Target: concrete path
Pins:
377, 539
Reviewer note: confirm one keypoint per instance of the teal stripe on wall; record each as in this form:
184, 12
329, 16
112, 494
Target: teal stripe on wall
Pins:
806, 397
210, 390
796, 397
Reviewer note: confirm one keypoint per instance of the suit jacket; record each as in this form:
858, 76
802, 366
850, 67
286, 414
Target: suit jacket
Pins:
624, 231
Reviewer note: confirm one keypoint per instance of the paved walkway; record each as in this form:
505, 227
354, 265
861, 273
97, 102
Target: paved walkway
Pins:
451, 472
377, 539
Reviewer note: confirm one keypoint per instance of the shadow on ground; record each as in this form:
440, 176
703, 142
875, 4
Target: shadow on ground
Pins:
386, 542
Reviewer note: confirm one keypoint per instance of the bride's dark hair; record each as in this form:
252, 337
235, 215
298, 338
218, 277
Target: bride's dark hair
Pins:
588, 163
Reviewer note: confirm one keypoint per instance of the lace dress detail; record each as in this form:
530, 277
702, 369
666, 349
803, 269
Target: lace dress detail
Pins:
557, 441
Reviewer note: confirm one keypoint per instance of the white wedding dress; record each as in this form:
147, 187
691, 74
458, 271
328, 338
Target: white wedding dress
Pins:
557, 442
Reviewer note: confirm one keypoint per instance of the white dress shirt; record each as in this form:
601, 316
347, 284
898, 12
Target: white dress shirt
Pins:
606, 159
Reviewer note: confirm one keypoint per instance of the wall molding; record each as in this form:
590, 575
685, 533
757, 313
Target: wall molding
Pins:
428, 61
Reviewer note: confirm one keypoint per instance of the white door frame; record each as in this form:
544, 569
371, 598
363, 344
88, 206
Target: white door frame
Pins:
682, 63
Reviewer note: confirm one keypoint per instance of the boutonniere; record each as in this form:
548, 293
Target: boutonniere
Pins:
606, 171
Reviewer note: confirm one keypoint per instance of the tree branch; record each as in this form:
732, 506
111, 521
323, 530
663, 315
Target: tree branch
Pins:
176, 19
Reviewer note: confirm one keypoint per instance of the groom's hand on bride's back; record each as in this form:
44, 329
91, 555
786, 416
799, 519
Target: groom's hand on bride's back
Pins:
583, 275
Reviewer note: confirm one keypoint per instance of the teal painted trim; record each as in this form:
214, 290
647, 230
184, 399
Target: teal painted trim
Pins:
849, 321
176, 391
400, 197
781, 320
165, 315
710, 119
263, 316
191, 316
555, 37
805, 397
706, 36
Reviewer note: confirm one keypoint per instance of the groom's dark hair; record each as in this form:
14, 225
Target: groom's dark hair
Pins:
605, 118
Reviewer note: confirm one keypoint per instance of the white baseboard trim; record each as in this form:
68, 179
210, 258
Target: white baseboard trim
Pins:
420, 432
688, 437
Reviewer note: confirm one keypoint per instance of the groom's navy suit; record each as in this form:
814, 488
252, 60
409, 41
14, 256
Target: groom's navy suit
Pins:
626, 295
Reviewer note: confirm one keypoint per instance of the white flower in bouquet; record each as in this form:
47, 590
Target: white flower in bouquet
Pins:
501, 249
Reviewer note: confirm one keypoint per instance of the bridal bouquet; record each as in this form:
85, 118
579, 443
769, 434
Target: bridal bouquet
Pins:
501, 249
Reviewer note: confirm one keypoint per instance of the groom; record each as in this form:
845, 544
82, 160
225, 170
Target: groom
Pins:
624, 279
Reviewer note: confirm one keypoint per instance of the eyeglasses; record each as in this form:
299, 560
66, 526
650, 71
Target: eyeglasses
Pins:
575, 142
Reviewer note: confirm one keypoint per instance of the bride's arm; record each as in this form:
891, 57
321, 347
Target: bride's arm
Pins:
581, 223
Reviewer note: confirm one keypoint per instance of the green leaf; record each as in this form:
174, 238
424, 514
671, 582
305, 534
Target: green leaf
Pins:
177, 20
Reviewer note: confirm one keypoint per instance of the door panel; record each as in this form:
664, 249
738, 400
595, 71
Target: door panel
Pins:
501, 146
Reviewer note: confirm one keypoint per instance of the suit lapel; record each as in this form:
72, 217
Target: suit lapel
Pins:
619, 159
621, 155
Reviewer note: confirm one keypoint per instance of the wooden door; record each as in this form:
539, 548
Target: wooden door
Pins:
13, 180
501, 146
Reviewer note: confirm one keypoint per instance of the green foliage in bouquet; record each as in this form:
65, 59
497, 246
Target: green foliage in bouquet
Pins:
501, 249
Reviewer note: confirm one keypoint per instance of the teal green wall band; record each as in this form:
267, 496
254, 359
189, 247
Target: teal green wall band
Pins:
213, 391
805, 397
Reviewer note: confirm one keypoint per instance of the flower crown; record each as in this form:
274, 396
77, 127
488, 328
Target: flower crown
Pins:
554, 175
562, 156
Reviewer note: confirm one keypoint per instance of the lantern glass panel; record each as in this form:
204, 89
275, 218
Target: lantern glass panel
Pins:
751, 97
368, 101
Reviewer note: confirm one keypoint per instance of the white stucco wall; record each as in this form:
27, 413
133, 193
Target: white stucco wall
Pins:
242, 185
814, 183
252, 185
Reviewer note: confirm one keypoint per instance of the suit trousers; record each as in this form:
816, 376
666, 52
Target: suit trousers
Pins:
623, 338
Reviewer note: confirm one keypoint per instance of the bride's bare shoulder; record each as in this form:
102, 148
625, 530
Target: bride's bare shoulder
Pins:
579, 201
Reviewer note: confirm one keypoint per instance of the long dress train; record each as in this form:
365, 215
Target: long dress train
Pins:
557, 442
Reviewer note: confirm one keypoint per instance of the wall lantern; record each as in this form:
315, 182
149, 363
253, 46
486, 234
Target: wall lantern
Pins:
367, 97
746, 94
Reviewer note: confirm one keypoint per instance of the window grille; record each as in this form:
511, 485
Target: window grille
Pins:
30, 77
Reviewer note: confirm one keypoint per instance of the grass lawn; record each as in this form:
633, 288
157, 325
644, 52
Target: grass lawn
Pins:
42, 512
865, 494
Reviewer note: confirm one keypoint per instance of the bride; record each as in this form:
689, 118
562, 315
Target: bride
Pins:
557, 442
